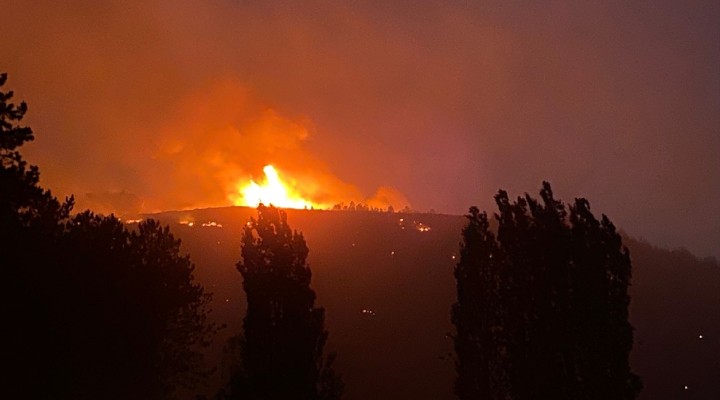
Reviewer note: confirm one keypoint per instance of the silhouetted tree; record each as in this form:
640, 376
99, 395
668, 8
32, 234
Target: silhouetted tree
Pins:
282, 345
134, 313
91, 309
542, 308
481, 361
23, 203
604, 335
31, 221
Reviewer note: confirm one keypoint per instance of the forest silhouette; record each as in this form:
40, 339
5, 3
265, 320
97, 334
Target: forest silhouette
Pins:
542, 308
97, 308
94, 309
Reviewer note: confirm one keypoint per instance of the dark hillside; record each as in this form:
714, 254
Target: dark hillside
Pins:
675, 309
387, 286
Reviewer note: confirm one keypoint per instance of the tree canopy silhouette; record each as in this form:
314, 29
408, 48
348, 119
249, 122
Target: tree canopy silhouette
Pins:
281, 349
31, 221
542, 308
93, 309
133, 310
23, 203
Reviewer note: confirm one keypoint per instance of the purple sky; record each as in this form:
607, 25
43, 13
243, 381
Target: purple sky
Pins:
151, 105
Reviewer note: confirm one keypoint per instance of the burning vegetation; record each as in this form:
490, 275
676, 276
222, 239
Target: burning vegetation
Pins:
273, 190
285, 192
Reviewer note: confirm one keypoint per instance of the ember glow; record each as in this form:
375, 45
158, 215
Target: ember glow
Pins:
274, 191
421, 227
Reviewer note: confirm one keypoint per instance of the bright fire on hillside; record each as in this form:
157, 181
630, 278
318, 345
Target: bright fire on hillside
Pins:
273, 191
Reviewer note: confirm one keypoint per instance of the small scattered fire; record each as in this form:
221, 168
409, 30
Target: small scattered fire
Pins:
421, 227
209, 224
274, 191
368, 312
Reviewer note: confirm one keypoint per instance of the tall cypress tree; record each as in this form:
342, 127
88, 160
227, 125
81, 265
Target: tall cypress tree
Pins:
603, 335
281, 349
478, 343
556, 321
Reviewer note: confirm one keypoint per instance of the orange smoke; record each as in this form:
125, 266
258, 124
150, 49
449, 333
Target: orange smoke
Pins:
207, 147
210, 152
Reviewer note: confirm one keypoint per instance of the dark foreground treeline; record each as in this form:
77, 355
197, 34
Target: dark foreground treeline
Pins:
542, 310
90, 309
95, 310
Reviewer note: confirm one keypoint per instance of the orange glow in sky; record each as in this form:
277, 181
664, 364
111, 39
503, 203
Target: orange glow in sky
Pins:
273, 191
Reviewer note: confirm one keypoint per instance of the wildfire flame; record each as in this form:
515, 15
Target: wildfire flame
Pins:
273, 191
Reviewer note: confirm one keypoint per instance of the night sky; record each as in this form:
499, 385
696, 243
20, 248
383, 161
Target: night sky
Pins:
141, 106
